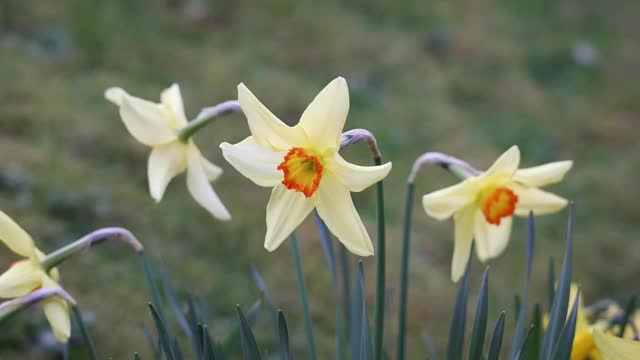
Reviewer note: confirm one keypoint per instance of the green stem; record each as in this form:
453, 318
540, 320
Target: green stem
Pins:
380, 271
84, 332
206, 116
303, 297
404, 269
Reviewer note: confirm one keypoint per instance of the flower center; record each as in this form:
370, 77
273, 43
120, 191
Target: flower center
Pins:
497, 203
302, 171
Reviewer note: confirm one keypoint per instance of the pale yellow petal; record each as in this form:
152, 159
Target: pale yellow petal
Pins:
324, 118
491, 240
538, 201
443, 203
266, 128
544, 174
172, 99
356, 178
506, 164
148, 122
614, 348
57, 312
285, 211
201, 189
20, 279
16, 239
336, 208
165, 162
115, 95
463, 238
212, 170
256, 162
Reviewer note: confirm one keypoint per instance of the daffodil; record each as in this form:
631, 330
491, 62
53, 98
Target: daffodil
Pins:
614, 348
27, 275
158, 125
303, 166
482, 206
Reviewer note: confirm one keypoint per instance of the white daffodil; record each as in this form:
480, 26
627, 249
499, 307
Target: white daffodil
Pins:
157, 125
27, 275
482, 206
304, 168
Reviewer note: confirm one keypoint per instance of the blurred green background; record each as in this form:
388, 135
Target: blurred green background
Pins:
470, 78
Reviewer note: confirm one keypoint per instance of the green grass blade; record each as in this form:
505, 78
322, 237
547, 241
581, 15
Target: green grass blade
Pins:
558, 313
250, 349
457, 328
565, 342
284, 336
88, 342
404, 270
366, 350
480, 320
629, 309
308, 325
161, 327
496, 339
380, 270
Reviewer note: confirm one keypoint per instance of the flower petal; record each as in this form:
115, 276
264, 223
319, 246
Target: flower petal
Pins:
57, 312
536, 200
21, 278
285, 211
172, 99
200, 188
491, 240
115, 95
544, 174
463, 238
16, 239
357, 178
255, 162
266, 128
165, 162
614, 348
443, 203
148, 122
324, 118
336, 208
212, 170
507, 163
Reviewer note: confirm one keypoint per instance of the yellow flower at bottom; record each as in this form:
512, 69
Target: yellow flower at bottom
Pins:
157, 125
482, 206
614, 348
27, 275
303, 166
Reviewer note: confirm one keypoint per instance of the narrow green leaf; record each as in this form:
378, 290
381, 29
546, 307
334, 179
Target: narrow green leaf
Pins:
165, 340
250, 349
284, 336
496, 339
356, 317
551, 283
558, 313
429, 346
480, 319
273, 311
153, 343
404, 270
366, 350
172, 298
565, 342
628, 311
302, 290
381, 288
208, 350
88, 342
524, 344
233, 339
176, 350
532, 350
457, 328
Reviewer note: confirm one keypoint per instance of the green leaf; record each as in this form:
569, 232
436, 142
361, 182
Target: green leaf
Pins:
136, 356
284, 336
480, 320
457, 328
558, 313
302, 290
532, 350
551, 283
161, 327
524, 344
565, 342
429, 346
250, 349
273, 311
366, 350
496, 339
404, 270
631, 306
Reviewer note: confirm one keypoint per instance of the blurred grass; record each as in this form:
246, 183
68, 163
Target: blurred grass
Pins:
468, 78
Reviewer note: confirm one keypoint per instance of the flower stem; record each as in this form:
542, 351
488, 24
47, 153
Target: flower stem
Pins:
303, 297
84, 332
207, 115
380, 270
404, 269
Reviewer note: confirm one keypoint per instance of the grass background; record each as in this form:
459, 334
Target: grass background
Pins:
557, 78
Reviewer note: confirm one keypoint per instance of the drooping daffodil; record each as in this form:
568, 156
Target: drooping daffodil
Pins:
158, 125
27, 275
303, 166
482, 206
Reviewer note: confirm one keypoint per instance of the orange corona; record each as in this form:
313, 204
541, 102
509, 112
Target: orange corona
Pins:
498, 203
302, 171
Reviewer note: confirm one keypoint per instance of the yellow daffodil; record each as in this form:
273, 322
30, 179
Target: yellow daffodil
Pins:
303, 166
27, 275
482, 206
157, 125
614, 348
